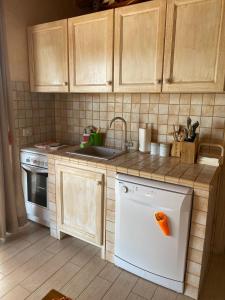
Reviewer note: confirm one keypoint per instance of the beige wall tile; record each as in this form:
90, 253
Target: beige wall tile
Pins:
218, 122
63, 116
163, 109
219, 111
185, 99
206, 122
195, 110
220, 99
208, 99
174, 98
196, 99
174, 109
184, 110
207, 110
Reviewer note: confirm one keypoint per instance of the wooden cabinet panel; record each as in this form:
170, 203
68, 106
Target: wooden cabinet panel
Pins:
91, 52
80, 203
48, 57
194, 46
139, 41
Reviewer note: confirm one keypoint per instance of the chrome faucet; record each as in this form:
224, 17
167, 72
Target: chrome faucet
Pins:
126, 144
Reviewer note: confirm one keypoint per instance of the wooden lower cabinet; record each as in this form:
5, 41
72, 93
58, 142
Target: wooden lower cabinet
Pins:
79, 199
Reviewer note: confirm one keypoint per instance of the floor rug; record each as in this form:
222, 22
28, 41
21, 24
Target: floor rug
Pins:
54, 295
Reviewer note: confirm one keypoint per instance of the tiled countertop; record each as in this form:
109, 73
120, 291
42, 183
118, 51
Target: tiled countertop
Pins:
168, 169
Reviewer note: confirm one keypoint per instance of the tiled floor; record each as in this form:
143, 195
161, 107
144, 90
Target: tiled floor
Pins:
32, 263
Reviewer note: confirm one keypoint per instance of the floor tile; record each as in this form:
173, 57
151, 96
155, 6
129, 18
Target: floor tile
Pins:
84, 277
121, 287
133, 296
16, 293
96, 290
23, 256
164, 294
145, 289
53, 265
57, 281
110, 272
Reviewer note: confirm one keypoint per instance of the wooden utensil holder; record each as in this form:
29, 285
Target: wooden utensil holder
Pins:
187, 151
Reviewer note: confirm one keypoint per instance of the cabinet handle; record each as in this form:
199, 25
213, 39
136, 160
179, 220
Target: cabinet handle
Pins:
158, 81
108, 82
65, 83
168, 80
99, 183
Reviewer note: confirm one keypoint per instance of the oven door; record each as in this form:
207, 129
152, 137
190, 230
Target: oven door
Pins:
35, 184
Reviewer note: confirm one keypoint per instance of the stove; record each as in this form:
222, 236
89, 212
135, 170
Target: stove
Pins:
34, 170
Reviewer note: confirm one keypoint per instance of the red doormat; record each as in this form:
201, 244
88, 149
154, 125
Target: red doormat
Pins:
54, 295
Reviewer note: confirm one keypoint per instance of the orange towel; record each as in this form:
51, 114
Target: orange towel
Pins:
162, 220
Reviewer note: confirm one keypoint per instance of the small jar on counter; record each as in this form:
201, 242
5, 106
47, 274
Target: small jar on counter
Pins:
154, 148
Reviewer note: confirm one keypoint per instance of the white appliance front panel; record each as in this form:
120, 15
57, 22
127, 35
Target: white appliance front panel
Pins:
139, 239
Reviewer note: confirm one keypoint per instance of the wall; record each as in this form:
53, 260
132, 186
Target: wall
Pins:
33, 112
73, 112
21, 14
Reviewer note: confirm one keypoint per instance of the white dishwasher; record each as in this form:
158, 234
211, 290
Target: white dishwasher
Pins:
142, 245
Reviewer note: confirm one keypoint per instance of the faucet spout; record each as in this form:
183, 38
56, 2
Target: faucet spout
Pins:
125, 147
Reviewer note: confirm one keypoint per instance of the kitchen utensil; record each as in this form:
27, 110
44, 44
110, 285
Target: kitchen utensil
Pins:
190, 131
189, 127
176, 130
194, 127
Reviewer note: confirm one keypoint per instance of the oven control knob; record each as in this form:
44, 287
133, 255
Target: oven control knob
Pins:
35, 161
124, 189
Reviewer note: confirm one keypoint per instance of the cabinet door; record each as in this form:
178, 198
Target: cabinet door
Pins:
90, 52
80, 203
48, 57
139, 42
194, 46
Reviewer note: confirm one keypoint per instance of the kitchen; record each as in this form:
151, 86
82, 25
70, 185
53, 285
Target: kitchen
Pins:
137, 92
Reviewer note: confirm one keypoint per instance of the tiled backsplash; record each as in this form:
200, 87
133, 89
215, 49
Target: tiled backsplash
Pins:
64, 116
34, 112
75, 111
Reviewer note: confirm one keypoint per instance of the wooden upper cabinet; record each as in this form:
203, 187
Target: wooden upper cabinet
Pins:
91, 52
194, 46
139, 42
48, 57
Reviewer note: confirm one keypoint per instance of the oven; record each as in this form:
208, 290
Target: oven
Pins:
34, 168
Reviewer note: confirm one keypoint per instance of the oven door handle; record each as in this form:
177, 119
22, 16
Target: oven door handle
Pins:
34, 169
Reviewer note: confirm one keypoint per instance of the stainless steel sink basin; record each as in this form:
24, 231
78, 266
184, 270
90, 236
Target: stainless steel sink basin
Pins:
98, 152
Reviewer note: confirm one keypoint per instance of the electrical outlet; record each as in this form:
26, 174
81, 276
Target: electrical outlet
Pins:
27, 131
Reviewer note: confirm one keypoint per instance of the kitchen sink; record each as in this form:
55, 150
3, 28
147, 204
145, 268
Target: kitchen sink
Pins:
98, 152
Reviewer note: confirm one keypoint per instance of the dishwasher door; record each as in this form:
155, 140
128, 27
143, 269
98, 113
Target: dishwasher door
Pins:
140, 245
